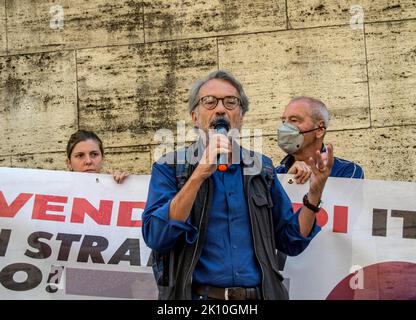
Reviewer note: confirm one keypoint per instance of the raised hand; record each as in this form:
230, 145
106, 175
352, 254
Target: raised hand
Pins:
321, 165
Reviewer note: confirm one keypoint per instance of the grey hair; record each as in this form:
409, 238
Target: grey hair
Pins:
318, 108
193, 99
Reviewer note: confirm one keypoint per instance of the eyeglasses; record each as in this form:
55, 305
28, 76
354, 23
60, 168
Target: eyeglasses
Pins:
210, 102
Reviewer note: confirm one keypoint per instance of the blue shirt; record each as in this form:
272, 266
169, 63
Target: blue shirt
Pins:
228, 236
227, 257
341, 168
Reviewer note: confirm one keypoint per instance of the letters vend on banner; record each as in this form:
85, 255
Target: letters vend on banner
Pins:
67, 235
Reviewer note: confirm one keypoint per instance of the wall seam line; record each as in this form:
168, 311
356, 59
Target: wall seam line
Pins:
368, 78
7, 31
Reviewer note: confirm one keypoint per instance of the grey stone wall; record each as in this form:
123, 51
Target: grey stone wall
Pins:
123, 69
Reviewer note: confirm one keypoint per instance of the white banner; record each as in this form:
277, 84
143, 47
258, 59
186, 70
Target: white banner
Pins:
367, 246
66, 235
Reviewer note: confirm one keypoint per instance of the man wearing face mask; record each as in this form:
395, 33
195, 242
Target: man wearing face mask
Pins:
305, 121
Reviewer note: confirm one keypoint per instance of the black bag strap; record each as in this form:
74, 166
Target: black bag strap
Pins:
182, 167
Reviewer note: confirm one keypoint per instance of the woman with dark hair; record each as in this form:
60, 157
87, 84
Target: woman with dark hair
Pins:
85, 153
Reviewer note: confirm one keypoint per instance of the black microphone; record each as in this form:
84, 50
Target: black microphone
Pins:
222, 126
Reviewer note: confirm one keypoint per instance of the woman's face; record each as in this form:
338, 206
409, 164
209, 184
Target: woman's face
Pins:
86, 157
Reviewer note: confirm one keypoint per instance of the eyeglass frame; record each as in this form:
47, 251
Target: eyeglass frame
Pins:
218, 99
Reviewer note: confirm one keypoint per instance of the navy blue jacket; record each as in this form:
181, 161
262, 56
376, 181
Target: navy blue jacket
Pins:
341, 169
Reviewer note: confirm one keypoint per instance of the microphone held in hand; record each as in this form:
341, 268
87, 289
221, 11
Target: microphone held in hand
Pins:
222, 126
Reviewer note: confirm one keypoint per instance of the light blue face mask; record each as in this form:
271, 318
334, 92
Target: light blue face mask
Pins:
290, 139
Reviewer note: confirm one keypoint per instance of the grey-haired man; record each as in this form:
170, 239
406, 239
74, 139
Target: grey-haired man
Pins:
216, 236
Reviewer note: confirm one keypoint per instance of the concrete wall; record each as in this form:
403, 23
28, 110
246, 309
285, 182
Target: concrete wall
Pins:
123, 69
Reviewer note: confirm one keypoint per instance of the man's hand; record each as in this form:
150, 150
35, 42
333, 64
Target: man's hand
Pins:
321, 166
217, 144
301, 171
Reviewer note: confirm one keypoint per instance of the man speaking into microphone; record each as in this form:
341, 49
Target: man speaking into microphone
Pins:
214, 223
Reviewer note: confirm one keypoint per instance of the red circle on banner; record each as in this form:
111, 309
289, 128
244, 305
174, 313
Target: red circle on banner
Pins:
392, 280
